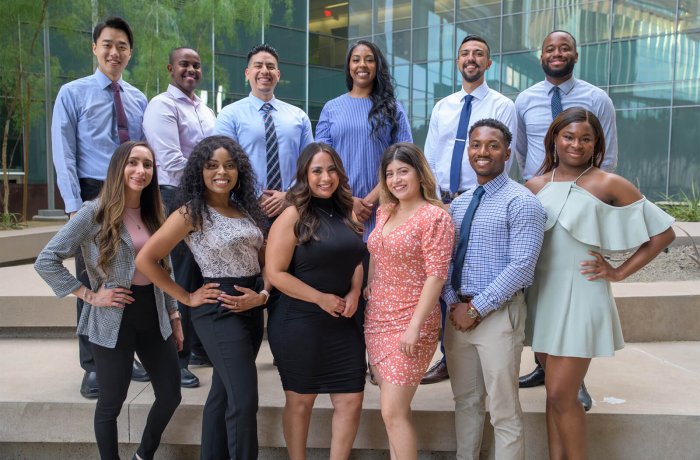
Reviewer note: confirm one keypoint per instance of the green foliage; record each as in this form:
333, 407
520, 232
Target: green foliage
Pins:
9, 221
683, 207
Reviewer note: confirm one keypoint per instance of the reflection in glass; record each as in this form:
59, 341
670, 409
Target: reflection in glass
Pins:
432, 12
687, 93
634, 18
526, 31
685, 139
643, 60
393, 15
361, 16
488, 29
287, 42
518, 6
327, 51
588, 22
642, 140
520, 71
689, 15
396, 47
433, 44
688, 62
327, 83
593, 64
641, 96
431, 82
477, 9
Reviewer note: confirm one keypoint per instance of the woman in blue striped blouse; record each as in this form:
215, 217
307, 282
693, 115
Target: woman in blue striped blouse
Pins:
362, 123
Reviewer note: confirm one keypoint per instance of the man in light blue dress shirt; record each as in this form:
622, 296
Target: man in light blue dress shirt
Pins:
84, 134
473, 60
499, 230
174, 122
243, 122
535, 108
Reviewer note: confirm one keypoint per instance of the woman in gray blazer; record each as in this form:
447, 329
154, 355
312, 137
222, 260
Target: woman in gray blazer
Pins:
124, 312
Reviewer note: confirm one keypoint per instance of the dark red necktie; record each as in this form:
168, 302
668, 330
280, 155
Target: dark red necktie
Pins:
122, 125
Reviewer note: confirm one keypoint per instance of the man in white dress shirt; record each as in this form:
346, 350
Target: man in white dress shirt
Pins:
447, 138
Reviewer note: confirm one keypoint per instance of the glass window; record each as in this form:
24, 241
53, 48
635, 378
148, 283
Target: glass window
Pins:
488, 29
641, 96
520, 71
588, 22
593, 64
231, 74
638, 19
419, 128
327, 51
433, 44
526, 31
292, 84
393, 15
432, 12
361, 16
241, 42
493, 75
71, 48
294, 17
477, 9
688, 57
642, 60
687, 93
401, 74
290, 44
685, 138
689, 17
327, 83
519, 6
396, 47
434, 81
642, 143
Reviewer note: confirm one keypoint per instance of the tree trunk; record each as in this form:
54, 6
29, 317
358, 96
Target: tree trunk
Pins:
5, 172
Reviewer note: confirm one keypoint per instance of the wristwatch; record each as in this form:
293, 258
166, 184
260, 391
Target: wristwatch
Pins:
473, 313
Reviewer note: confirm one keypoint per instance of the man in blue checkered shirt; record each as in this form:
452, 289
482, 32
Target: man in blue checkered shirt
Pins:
499, 231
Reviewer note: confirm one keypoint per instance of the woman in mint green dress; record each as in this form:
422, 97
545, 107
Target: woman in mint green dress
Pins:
572, 315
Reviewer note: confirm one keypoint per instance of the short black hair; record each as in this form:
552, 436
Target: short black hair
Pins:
562, 31
263, 47
495, 124
171, 56
115, 22
477, 38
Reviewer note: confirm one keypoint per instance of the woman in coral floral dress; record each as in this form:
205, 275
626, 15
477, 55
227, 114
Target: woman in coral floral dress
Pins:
410, 252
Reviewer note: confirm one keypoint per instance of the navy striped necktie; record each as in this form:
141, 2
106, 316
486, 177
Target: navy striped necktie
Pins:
274, 178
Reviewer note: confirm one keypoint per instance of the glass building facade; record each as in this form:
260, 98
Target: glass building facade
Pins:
644, 53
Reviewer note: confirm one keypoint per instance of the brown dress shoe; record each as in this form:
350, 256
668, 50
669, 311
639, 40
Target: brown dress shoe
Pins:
435, 374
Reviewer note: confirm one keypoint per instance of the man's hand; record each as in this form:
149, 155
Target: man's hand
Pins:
459, 318
273, 202
362, 209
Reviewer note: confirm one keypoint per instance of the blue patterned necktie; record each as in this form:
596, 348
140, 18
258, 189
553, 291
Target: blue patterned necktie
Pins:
464, 231
274, 178
460, 143
556, 102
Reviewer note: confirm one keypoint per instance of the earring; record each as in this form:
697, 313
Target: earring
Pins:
556, 156
593, 160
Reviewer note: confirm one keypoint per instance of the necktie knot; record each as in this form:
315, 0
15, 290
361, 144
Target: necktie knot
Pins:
468, 99
115, 86
266, 108
479, 192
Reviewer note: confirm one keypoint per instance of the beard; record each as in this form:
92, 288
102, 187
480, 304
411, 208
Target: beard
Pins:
471, 78
564, 71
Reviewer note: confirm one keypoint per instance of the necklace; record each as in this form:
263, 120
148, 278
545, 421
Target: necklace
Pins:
329, 214
579, 176
134, 221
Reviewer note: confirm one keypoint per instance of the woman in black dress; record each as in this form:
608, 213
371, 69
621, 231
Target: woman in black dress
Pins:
313, 257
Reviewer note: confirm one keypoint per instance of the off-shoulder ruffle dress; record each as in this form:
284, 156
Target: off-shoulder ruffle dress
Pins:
567, 314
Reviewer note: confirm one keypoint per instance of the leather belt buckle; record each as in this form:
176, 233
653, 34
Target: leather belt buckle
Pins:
464, 298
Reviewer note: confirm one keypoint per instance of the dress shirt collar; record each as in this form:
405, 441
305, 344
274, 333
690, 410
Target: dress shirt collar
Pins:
565, 87
495, 184
104, 81
177, 93
258, 103
479, 93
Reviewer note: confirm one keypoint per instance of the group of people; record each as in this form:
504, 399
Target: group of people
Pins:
362, 247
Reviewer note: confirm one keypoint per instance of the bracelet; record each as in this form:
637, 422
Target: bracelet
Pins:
175, 315
266, 294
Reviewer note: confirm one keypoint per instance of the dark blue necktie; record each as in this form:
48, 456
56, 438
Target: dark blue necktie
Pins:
464, 231
274, 178
460, 142
556, 102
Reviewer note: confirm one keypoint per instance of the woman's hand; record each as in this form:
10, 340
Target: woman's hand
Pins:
409, 341
331, 304
109, 297
249, 299
599, 268
178, 335
367, 293
206, 294
352, 300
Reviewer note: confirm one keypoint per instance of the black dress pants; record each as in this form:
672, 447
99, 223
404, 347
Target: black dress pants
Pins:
139, 332
232, 342
188, 275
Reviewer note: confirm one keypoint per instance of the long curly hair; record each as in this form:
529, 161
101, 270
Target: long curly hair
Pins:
412, 155
192, 189
564, 119
300, 195
382, 95
110, 210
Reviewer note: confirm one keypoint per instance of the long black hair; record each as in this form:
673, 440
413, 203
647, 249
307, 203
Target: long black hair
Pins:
192, 188
382, 95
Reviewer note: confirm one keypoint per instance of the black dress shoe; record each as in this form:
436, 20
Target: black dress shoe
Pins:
584, 397
188, 379
89, 388
199, 360
138, 373
435, 374
533, 379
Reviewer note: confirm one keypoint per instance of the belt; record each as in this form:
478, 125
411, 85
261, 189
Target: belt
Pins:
169, 187
91, 182
448, 197
464, 298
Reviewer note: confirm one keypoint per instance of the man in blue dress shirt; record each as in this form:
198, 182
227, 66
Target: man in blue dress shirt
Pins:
274, 147
537, 106
91, 117
499, 228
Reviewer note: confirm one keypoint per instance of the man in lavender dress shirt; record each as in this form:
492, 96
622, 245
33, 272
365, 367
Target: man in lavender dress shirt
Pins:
174, 122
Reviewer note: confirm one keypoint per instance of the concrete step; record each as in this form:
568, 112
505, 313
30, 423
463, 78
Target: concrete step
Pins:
646, 406
649, 312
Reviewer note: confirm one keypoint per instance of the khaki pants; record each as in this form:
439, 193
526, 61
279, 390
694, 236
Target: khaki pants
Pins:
486, 360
